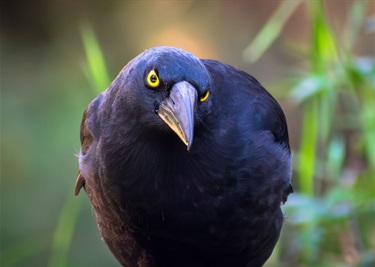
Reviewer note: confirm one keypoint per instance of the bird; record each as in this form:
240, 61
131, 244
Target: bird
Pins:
186, 163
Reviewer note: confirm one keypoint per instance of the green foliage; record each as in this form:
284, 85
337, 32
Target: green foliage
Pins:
64, 230
333, 198
330, 218
26, 249
97, 74
96, 70
270, 31
335, 163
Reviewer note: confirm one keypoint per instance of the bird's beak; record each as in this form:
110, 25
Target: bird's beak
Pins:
177, 111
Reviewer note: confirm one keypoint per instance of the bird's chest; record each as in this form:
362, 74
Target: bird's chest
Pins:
168, 196
175, 193
183, 214
170, 191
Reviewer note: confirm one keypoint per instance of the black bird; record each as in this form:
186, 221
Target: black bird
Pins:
186, 162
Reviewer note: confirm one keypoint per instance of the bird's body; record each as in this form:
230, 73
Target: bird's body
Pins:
159, 204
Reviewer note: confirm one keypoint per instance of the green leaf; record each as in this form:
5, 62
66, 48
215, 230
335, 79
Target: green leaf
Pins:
64, 230
97, 69
307, 155
307, 88
327, 108
270, 31
323, 51
368, 128
335, 158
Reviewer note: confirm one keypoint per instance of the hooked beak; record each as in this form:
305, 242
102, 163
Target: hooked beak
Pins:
177, 111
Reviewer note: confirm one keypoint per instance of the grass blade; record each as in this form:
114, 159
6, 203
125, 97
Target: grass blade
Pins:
270, 31
64, 231
97, 70
308, 147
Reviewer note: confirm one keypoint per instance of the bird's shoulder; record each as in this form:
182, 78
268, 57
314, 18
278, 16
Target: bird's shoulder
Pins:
240, 96
249, 127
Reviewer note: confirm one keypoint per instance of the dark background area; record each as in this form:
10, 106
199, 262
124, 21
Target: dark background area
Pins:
44, 91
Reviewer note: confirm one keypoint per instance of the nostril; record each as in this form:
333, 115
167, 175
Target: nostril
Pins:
156, 107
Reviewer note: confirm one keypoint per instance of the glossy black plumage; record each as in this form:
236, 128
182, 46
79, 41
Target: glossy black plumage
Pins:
158, 204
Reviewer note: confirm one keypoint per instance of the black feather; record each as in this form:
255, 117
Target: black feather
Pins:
158, 204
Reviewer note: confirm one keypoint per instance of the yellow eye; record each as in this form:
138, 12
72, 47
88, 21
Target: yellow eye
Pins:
153, 79
205, 96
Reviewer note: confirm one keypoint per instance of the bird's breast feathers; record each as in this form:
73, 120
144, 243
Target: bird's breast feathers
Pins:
186, 155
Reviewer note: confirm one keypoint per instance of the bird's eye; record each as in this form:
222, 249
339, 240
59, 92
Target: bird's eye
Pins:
153, 79
204, 96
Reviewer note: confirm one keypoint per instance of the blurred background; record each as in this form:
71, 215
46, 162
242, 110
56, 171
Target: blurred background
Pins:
316, 58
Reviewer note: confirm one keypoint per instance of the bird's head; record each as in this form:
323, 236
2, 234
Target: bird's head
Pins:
167, 88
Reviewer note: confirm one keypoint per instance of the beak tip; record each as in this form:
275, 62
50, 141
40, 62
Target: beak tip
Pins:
188, 145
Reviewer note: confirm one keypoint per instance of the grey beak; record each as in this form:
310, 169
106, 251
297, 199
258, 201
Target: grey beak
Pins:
177, 111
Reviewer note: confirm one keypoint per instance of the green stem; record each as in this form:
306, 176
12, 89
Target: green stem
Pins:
270, 31
308, 147
64, 231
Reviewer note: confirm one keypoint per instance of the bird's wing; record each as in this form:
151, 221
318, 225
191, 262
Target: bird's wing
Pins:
86, 141
246, 93
90, 127
258, 115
